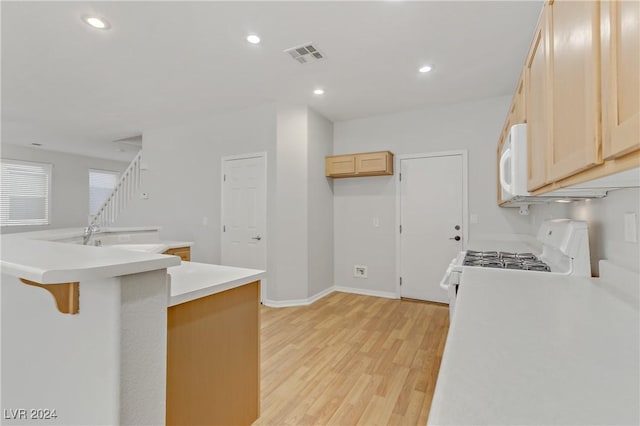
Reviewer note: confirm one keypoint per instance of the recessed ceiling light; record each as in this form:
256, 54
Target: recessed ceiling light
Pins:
96, 22
318, 92
425, 69
253, 39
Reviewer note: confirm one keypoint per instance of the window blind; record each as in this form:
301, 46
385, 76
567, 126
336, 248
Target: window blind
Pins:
26, 188
101, 184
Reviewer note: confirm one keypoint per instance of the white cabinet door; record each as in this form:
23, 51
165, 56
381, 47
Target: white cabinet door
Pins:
244, 213
431, 207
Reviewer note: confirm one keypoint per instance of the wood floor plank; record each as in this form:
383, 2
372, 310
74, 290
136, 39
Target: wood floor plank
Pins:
349, 359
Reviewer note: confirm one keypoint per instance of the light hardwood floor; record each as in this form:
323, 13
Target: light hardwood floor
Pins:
349, 359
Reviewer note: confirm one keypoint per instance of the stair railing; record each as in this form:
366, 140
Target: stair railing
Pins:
125, 189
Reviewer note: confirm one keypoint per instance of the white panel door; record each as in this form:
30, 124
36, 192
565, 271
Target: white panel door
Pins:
431, 207
244, 213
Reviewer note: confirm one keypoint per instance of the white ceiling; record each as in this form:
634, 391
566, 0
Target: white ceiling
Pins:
73, 88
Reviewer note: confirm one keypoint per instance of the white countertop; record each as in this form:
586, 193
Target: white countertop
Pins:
533, 348
29, 255
176, 244
66, 233
159, 246
193, 280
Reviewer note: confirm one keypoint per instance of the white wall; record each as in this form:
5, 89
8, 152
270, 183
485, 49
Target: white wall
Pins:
606, 225
183, 184
69, 185
304, 206
183, 178
474, 126
320, 204
70, 363
105, 365
291, 206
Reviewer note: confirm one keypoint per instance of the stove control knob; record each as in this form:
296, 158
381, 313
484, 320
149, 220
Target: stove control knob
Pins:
457, 238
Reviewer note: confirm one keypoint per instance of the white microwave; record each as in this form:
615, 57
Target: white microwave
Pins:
513, 164
513, 175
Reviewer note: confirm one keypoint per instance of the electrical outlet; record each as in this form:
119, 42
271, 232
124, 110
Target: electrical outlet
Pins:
360, 271
144, 195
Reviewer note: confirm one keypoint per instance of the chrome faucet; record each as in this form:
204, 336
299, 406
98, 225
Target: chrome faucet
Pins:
88, 232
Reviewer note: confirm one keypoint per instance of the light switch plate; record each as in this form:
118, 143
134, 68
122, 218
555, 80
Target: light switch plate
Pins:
630, 228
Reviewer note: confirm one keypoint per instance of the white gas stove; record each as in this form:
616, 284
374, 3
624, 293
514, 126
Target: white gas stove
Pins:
565, 251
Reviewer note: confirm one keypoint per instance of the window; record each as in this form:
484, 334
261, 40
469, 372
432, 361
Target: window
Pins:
101, 185
26, 188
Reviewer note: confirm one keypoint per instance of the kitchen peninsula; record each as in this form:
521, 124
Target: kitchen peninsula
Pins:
110, 359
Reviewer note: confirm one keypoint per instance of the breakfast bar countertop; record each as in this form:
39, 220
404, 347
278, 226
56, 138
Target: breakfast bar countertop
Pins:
51, 262
54, 256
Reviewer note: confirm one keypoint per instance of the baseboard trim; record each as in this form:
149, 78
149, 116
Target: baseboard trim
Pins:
366, 292
326, 292
298, 302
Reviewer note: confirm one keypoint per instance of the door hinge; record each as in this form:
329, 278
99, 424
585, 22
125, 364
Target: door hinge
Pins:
400, 280
401, 229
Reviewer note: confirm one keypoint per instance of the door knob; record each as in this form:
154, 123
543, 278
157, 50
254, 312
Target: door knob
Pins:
258, 238
457, 238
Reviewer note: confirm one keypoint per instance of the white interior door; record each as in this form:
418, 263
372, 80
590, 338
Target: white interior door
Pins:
244, 212
432, 200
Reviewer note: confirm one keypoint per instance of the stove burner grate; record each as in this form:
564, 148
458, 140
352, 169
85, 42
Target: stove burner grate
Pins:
505, 260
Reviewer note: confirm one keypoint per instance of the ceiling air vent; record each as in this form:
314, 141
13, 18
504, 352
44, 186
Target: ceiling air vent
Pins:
305, 53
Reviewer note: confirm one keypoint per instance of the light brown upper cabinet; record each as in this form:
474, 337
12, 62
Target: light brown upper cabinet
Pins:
581, 96
355, 165
620, 22
517, 112
340, 165
574, 64
537, 105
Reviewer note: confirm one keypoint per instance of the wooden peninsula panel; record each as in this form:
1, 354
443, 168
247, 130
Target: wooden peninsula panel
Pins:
213, 348
184, 253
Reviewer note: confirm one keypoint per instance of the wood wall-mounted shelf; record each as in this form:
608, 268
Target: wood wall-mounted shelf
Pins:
358, 165
66, 295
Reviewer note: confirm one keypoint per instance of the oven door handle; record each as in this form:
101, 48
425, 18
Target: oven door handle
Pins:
444, 283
